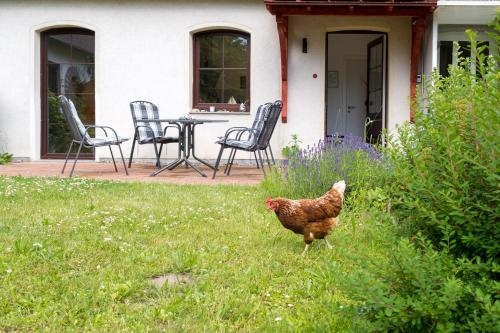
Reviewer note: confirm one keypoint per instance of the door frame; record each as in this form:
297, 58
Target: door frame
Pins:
44, 154
386, 76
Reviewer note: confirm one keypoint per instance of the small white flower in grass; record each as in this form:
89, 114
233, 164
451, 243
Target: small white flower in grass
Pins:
278, 318
37, 245
290, 305
341, 306
98, 266
107, 239
286, 296
268, 294
8, 270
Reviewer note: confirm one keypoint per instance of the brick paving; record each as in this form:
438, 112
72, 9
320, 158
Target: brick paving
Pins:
242, 175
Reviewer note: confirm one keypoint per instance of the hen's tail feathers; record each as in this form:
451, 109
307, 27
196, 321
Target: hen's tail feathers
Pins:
339, 187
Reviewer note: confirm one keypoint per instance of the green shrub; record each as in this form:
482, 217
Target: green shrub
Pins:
446, 164
292, 148
445, 185
423, 290
5, 158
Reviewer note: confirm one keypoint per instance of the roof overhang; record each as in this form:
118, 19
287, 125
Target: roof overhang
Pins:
418, 10
349, 7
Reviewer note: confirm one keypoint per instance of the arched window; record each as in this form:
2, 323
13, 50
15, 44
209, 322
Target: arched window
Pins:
67, 68
221, 71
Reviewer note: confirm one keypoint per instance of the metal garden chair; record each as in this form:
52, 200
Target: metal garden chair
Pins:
258, 117
257, 137
80, 134
150, 132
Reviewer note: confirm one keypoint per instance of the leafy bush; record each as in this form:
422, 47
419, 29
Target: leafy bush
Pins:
312, 171
446, 164
292, 148
423, 290
5, 158
445, 184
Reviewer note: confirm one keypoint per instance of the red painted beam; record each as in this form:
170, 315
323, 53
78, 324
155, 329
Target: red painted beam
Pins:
282, 23
357, 10
368, 3
417, 34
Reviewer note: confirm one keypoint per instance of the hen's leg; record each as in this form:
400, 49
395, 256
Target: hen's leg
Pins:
308, 239
305, 250
328, 245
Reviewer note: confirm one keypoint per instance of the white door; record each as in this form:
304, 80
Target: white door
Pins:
355, 109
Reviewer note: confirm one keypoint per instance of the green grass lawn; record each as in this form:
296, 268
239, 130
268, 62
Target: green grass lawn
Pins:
77, 255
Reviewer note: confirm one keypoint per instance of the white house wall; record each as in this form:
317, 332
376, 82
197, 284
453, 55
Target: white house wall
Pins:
460, 13
306, 95
143, 51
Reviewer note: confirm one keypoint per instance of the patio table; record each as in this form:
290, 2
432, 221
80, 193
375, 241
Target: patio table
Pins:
186, 141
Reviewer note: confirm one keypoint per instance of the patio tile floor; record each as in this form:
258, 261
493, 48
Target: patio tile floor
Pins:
243, 175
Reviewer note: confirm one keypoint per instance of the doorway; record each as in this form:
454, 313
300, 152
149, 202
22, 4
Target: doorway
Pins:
67, 68
356, 63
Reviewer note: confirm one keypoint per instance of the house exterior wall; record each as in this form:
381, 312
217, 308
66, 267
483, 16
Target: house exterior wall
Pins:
306, 95
460, 13
143, 51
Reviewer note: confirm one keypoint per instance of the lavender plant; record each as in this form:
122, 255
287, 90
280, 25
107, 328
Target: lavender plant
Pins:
311, 171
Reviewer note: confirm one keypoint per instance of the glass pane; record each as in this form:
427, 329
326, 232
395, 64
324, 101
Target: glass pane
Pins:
59, 138
59, 48
210, 51
53, 78
235, 51
235, 81
375, 102
373, 57
85, 106
82, 48
464, 49
379, 52
445, 56
77, 78
54, 114
375, 79
211, 86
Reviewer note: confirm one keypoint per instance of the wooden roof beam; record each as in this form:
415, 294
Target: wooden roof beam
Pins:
350, 10
282, 23
417, 34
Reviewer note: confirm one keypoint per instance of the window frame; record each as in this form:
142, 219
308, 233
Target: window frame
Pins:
44, 74
196, 72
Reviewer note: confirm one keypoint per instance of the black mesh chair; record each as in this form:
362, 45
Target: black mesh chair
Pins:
150, 132
257, 137
80, 133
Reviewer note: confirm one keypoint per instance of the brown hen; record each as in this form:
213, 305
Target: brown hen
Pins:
312, 218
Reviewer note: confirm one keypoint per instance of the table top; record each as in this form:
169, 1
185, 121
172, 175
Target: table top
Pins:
183, 120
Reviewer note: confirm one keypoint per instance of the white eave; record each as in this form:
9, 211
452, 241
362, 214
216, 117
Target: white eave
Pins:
468, 3
466, 12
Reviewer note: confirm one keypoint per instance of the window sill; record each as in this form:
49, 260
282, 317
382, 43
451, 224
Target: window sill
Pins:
246, 113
